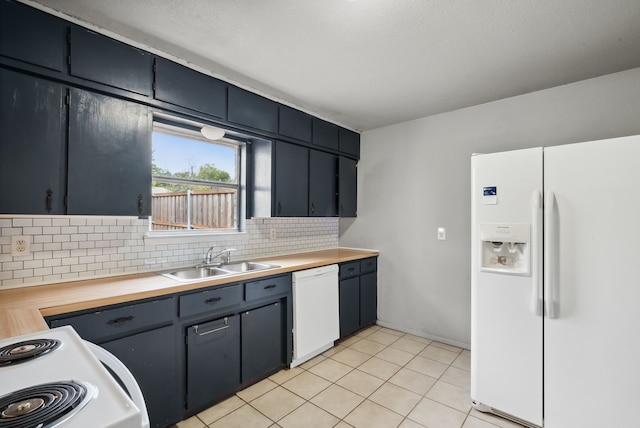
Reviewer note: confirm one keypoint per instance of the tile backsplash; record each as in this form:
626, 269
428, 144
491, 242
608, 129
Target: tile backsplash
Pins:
72, 248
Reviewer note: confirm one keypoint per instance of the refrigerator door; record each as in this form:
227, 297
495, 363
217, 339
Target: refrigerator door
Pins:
591, 344
506, 328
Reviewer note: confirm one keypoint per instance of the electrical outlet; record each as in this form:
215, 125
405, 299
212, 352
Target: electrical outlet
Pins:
20, 246
272, 234
442, 233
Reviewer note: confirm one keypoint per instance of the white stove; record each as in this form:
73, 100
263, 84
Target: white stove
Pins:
54, 379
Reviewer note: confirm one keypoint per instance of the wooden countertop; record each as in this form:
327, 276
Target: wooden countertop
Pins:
22, 309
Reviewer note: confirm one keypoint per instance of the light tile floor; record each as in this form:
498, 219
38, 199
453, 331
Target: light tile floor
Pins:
376, 378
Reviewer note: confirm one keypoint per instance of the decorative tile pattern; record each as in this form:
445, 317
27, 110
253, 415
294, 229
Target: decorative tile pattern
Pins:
77, 247
361, 382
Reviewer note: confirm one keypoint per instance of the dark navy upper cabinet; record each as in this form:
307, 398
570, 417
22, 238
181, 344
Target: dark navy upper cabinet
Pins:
349, 142
291, 180
188, 88
32, 36
109, 156
323, 184
100, 59
294, 123
32, 145
325, 134
347, 187
249, 109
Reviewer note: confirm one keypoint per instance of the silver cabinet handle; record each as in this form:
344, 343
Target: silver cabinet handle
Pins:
224, 327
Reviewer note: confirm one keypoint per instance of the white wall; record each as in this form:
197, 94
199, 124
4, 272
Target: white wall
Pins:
414, 177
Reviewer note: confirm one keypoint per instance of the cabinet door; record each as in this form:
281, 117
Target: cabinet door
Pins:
32, 36
247, 108
262, 341
349, 306
101, 59
368, 299
325, 134
347, 187
291, 180
32, 145
294, 123
152, 359
213, 361
182, 86
349, 142
109, 156
323, 184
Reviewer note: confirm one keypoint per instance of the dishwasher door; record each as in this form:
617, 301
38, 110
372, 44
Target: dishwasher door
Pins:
316, 323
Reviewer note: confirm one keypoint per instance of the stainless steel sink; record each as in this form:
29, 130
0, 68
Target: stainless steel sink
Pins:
190, 274
246, 266
201, 273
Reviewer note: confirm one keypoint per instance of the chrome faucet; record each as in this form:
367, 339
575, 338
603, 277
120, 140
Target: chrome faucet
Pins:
209, 257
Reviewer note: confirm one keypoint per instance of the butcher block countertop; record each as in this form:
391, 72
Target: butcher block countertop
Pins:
22, 309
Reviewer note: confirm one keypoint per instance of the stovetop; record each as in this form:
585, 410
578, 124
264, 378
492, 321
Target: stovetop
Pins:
52, 379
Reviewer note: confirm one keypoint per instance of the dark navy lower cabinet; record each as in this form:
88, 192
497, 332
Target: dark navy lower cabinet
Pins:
213, 361
368, 299
358, 295
109, 169
32, 145
143, 336
262, 341
152, 359
349, 306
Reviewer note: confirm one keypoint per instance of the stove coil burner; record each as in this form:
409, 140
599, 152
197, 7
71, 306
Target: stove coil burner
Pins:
27, 350
44, 405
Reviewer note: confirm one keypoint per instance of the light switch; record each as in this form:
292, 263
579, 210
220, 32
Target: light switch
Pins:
442, 233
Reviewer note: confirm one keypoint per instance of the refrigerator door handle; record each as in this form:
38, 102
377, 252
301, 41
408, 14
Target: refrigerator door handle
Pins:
549, 254
536, 253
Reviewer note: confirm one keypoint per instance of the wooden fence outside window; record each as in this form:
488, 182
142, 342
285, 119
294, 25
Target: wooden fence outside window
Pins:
210, 209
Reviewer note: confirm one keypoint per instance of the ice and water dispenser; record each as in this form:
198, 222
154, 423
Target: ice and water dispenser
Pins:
506, 248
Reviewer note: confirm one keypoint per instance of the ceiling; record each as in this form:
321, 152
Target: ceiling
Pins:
365, 64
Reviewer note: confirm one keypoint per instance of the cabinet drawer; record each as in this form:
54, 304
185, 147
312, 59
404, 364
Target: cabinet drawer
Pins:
210, 300
119, 321
267, 287
369, 265
350, 269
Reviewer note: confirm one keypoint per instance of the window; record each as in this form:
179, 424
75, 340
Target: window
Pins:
196, 182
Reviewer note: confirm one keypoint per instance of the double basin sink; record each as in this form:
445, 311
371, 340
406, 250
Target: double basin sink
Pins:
208, 272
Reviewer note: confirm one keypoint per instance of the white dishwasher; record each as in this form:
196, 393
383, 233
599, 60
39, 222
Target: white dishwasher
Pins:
316, 323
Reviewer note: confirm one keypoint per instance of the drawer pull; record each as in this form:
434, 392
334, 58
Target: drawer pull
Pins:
120, 320
268, 287
351, 269
213, 300
224, 327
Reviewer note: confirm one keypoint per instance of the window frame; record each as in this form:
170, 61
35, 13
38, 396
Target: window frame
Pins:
189, 129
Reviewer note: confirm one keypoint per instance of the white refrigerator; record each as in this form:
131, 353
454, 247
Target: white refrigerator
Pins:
555, 272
